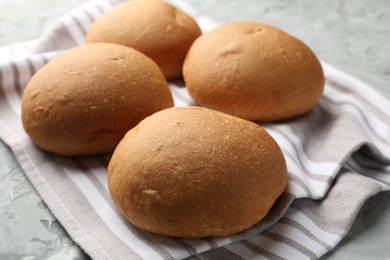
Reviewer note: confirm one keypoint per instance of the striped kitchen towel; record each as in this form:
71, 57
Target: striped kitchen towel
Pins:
338, 155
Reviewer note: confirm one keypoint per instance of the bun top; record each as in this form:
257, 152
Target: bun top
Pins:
84, 101
194, 172
254, 71
155, 28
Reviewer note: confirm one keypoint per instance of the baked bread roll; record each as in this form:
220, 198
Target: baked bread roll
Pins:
194, 172
84, 101
253, 71
157, 29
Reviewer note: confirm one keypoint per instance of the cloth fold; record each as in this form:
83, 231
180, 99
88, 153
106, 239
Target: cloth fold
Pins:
338, 155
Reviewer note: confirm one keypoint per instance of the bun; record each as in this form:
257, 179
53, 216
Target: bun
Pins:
157, 29
253, 71
194, 172
84, 101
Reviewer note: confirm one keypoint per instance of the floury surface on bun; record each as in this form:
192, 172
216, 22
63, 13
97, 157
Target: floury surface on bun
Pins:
159, 30
195, 172
253, 71
84, 101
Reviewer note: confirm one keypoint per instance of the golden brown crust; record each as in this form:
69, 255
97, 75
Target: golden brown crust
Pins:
84, 101
253, 71
157, 29
194, 172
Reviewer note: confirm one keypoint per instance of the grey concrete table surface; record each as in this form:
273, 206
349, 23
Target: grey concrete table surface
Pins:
351, 35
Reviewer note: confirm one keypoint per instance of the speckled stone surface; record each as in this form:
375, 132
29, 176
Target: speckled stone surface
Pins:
27, 228
351, 35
